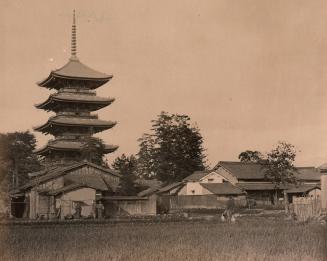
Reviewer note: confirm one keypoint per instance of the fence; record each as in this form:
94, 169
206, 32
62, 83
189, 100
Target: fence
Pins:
305, 208
175, 203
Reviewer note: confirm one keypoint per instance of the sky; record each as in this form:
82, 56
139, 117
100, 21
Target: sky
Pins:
250, 73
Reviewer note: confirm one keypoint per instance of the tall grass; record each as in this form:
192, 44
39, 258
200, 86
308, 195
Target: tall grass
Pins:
249, 239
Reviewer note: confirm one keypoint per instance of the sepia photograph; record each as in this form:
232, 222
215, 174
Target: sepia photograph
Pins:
163, 130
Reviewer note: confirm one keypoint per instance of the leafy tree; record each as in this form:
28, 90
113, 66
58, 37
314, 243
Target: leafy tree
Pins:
173, 151
127, 166
93, 151
251, 156
17, 158
280, 165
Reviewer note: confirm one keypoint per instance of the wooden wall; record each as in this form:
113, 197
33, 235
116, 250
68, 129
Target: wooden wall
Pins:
324, 191
142, 207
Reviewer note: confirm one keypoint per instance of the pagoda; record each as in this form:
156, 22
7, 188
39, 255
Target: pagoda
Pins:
73, 103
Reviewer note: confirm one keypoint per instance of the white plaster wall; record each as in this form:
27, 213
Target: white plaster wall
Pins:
222, 172
192, 188
213, 177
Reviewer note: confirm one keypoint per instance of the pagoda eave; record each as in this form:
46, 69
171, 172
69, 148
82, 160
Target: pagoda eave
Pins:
95, 103
69, 147
56, 81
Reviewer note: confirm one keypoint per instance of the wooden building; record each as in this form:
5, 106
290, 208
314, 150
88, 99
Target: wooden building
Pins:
245, 182
251, 178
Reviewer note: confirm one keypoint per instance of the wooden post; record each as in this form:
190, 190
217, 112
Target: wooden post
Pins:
324, 192
286, 202
52, 207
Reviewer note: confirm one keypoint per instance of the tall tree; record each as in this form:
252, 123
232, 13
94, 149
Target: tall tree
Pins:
93, 151
17, 158
173, 150
251, 156
127, 166
280, 166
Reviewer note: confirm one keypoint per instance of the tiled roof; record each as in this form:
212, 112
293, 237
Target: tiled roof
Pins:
225, 188
259, 186
60, 171
170, 187
302, 188
65, 189
148, 192
253, 171
74, 69
123, 198
196, 176
75, 97
308, 173
70, 121
70, 145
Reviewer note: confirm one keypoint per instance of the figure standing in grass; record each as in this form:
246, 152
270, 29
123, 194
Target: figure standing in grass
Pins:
230, 206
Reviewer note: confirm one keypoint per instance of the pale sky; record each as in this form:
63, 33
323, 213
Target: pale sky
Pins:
249, 72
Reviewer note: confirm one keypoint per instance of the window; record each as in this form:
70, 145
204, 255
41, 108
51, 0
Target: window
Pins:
193, 191
210, 180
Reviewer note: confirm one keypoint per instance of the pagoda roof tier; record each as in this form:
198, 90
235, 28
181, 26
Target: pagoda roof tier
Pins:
62, 145
93, 102
69, 121
75, 73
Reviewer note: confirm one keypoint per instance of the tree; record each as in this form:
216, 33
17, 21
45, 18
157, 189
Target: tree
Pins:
17, 158
127, 166
173, 150
280, 166
93, 151
251, 156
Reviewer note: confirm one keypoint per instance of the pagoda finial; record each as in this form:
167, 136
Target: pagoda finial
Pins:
74, 47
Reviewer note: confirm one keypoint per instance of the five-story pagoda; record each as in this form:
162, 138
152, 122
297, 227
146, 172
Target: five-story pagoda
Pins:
73, 103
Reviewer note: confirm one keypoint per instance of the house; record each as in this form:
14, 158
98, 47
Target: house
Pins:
228, 177
58, 191
251, 178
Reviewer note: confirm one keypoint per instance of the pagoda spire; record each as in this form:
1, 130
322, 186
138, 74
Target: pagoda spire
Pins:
73, 44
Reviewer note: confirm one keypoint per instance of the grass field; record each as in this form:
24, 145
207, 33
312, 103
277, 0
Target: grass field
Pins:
249, 239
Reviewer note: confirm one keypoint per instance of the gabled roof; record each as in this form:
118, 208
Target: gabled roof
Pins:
75, 70
170, 187
224, 188
256, 171
61, 171
196, 176
64, 189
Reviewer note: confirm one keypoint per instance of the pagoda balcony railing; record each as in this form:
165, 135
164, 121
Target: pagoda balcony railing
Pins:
77, 91
71, 137
77, 114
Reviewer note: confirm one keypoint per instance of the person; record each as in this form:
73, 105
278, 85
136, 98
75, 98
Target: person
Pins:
229, 209
100, 208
